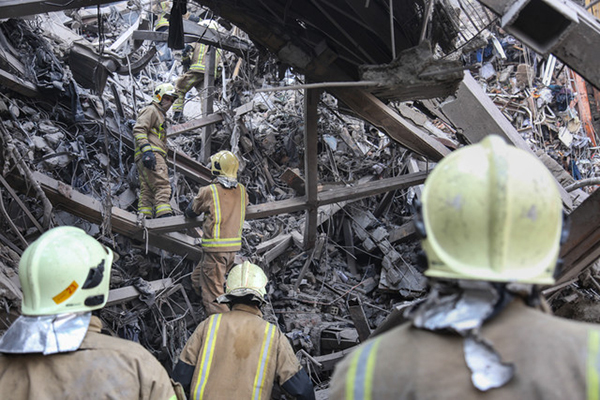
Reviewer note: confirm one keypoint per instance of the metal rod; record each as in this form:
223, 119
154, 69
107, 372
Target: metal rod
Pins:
392, 31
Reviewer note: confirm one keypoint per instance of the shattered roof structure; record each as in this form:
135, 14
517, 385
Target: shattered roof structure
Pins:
377, 92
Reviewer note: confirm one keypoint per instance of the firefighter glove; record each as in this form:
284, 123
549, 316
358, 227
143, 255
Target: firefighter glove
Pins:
149, 160
189, 212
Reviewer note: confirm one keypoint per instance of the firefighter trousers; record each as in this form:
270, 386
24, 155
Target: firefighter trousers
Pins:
209, 277
184, 84
155, 189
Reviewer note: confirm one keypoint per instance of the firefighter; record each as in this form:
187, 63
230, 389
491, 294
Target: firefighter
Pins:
194, 60
239, 355
55, 350
224, 201
150, 134
491, 223
162, 10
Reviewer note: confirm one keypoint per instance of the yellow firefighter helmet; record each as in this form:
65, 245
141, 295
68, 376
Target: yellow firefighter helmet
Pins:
224, 163
245, 279
64, 270
492, 212
162, 90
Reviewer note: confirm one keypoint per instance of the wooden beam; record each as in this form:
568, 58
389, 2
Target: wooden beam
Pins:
194, 124
121, 295
583, 245
207, 120
358, 317
383, 117
404, 232
278, 250
21, 204
208, 99
63, 196
21, 8
311, 100
264, 210
18, 85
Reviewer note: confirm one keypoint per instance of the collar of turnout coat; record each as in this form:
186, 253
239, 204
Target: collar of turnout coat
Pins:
47, 334
463, 309
247, 308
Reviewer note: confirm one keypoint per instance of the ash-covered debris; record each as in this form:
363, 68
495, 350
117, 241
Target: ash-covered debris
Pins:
366, 263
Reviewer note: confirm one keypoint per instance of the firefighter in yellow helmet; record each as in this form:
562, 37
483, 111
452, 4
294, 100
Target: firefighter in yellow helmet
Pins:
150, 135
239, 355
224, 203
55, 350
491, 222
194, 61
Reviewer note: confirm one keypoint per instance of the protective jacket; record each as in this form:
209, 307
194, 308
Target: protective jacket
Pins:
103, 367
150, 129
150, 133
194, 76
162, 9
197, 58
225, 210
239, 355
554, 358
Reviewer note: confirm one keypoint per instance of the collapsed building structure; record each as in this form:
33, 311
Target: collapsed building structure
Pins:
337, 111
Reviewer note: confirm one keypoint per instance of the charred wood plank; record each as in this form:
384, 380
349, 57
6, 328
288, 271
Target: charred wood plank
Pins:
194, 124
311, 100
18, 85
583, 245
384, 118
65, 197
124, 294
404, 232
349, 245
358, 317
264, 210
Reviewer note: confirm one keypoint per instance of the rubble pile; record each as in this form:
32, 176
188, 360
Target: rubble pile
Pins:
366, 265
545, 101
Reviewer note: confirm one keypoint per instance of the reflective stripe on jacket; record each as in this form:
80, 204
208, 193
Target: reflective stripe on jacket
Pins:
238, 355
198, 57
226, 212
554, 359
162, 9
150, 129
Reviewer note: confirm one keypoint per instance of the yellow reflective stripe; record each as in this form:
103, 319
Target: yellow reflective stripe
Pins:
155, 149
198, 63
217, 213
593, 366
265, 351
359, 378
174, 397
222, 241
207, 355
163, 207
160, 132
243, 210
145, 210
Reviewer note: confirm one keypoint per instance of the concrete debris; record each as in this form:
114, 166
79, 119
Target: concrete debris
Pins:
74, 83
